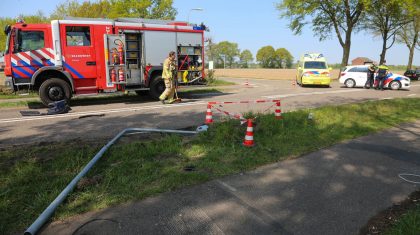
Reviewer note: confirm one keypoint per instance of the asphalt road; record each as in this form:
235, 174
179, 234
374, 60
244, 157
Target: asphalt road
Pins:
102, 121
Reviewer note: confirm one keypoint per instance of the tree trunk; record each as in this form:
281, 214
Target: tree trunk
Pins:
410, 58
346, 48
383, 53
412, 47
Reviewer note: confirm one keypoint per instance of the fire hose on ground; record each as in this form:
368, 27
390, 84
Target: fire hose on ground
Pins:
48, 212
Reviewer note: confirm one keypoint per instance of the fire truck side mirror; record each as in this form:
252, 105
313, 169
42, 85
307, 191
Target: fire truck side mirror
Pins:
7, 29
15, 40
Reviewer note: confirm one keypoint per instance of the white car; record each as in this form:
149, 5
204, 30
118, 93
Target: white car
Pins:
356, 76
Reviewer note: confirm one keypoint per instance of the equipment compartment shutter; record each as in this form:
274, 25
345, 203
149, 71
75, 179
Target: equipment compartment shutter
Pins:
186, 39
158, 45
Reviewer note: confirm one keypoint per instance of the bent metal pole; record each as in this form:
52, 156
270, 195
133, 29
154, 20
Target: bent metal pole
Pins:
47, 213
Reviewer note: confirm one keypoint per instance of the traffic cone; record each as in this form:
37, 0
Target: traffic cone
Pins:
249, 136
293, 82
277, 113
247, 84
209, 115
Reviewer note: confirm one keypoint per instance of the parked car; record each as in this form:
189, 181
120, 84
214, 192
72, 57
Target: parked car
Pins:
356, 76
413, 74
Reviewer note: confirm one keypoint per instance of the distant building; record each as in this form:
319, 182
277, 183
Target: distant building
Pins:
361, 61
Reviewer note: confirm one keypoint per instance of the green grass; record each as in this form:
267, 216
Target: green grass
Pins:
10, 95
218, 82
30, 178
22, 103
200, 91
408, 224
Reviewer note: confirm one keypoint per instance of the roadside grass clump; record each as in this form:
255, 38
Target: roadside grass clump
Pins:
32, 176
408, 224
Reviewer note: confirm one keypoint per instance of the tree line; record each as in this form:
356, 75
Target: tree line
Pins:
227, 54
391, 20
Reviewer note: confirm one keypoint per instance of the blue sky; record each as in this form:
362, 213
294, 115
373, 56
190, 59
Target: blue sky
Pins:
252, 24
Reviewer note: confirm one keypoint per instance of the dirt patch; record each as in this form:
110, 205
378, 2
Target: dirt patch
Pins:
385, 219
86, 182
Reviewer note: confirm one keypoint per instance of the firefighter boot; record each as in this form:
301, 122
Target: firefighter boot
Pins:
162, 98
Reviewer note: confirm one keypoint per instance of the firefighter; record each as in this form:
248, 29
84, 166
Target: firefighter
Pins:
382, 73
370, 76
169, 70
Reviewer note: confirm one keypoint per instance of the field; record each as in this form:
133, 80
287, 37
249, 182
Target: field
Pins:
286, 74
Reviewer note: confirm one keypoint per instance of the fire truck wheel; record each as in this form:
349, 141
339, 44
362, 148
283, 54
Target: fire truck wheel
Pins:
54, 89
142, 92
157, 87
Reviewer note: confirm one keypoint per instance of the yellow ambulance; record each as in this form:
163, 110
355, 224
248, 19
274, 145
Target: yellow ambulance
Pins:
313, 70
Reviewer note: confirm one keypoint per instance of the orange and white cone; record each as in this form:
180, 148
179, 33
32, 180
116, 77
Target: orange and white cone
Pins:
277, 113
246, 83
209, 115
293, 82
249, 136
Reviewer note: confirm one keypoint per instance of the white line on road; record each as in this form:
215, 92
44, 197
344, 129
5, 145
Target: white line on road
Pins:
227, 186
105, 111
387, 98
312, 93
411, 95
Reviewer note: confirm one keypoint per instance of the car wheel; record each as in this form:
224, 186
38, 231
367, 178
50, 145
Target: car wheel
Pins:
54, 89
395, 85
350, 83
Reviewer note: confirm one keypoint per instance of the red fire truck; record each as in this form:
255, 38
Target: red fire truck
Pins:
78, 56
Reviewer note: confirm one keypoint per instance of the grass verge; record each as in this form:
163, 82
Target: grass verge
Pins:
31, 177
219, 82
22, 103
8, 96
408, 224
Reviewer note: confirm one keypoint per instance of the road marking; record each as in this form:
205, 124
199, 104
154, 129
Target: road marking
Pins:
227, 186
411, 95
387, 98
105, 111
312, 93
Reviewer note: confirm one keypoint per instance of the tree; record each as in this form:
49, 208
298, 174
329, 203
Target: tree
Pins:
226, 52
156, 9
384, 18
152, 9
245, 58
409, 35
338, 16
266, 57
73, 8
210, 49
283, 58
37, 18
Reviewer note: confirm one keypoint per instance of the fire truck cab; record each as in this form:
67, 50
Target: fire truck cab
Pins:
88, 56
